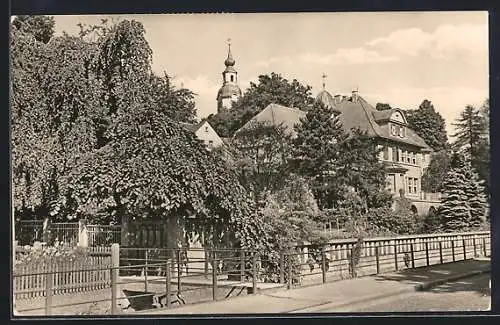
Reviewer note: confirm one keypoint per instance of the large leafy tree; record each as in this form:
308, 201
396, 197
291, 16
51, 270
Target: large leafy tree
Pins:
261, 153
271, 88
178, 104
53, 105
108, 146
153, 168
429, 125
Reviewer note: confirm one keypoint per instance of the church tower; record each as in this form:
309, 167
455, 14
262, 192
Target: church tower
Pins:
229, 92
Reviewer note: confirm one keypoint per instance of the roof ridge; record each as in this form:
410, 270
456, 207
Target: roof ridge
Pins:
290, 108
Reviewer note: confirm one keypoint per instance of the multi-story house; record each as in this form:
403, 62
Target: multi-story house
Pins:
402, 150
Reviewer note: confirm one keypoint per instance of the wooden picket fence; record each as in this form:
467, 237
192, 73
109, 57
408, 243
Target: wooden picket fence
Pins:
84, 274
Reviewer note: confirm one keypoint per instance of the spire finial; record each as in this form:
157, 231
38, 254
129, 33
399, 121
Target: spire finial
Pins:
229, 43
324, 80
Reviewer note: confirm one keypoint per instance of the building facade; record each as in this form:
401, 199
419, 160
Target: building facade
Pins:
205, 132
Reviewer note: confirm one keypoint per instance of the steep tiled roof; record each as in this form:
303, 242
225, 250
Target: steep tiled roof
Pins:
277, 114
354, 114
361, 114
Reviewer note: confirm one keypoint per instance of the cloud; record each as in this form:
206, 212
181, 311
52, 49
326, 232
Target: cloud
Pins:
446, 41
344, 56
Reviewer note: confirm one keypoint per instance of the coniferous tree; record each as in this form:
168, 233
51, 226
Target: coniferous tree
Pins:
476, 199
453, 211
316, 148
464, 205
470, 132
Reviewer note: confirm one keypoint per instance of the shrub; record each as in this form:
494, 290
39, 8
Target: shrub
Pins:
48, 255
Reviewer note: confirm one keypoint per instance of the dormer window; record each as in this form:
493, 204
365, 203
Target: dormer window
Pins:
397, 130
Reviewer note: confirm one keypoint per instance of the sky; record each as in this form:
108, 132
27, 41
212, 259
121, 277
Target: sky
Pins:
400, 58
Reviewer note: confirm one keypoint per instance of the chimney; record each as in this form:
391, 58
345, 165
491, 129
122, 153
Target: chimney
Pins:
354, 96
337, 99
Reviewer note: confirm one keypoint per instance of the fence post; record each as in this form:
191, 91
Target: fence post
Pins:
207, 256
453, 249
377, 258
396, 255
254, 273
323, 264
465, 251
441, 252
351, 261
484, 246
242, 265
115, 264
289, 270
427, 253
474, 244
83, 240
282, 267
146, 271
48, 293
214, 279
412, 254
167, 282
179, 282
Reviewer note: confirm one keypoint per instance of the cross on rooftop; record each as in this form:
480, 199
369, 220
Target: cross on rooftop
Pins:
324, 79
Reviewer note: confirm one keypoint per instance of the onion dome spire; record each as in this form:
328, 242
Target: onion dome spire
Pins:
229, 62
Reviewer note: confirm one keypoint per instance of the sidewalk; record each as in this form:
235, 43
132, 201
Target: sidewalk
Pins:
336, 294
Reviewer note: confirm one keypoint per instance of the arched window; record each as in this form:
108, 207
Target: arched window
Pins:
232, 78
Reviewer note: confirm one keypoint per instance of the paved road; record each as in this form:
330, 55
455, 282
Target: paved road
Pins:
469, 294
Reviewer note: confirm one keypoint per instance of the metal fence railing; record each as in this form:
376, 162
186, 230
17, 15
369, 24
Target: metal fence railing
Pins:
156, 277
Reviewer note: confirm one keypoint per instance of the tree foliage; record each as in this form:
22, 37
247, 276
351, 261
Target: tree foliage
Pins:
429, 125
435, 174
316, 149
472, 138
464, 204
40, 27
262, 154
382, 106
271, 88
110, 144
335, 160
